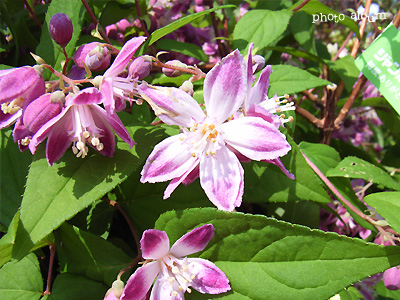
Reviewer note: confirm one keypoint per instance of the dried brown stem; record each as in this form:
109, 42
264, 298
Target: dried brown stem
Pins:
96, 22
343, 46
396, 20
362, 29
309, 116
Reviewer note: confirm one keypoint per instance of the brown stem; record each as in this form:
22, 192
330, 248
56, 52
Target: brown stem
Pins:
96, 22
142, 22
32, 13
309, 116
343, 46
195, 71
134, 262
396, 20
214, 22
67, 60
350, 101
53, 249
362, 29
128, 220
300, 6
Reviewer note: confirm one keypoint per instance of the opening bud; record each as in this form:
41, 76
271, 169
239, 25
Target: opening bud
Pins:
258, 63
61, 29
171, 72
94, 55
141, 67
187, 87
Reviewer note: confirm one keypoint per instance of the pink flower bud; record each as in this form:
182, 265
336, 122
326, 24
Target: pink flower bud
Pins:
258, 63
171, 72
391, 278
187, 87
94, 55
115, 292
61, 29
141, 67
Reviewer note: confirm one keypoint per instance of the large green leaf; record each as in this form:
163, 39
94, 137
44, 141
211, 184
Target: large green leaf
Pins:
21, 280
265, 182
47, 48
353, 167
161, 32
387, 204
69, 287
13, 170
261, 27
183, 48
83, 253
316, 8
326, 158
263, 256
303, 31
55, 194
287, 79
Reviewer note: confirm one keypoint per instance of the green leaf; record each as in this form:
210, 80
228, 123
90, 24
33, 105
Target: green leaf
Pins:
68, 287
303, 31
262, 256
191, 50
13, 171
55, 194
386, 294
161, 32
266, 182
83, 253
314, 7
353, 167
326, 158
387, 204
47, 48
298, 53
114, 12
346, 70
21, 280
288, 79
261, 27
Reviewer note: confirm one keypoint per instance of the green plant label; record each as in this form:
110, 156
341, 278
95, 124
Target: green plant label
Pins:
380, 63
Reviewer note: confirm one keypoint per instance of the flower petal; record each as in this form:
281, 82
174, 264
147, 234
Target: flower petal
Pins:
140, 282
225, 87
259, 91
107, 91
221, 177
170, 159
113, 121
163, 290
8, 119
123, 57
85, 97
209, 278
193, 241
154, 244
255, 138
178, 180
173, 106
278, 162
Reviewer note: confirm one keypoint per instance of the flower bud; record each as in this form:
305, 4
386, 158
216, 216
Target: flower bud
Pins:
187, 87
61, 29
116, 290
171, 72
391, 278
258, 63
95, 56
141, 67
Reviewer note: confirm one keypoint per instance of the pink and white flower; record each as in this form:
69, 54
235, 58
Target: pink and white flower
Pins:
175, 273
115, 88
81, 121
208, 145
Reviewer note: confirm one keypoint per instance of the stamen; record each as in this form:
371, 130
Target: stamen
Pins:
100, 147
175, 270
25, 141
74, 150
171, 280
13, 106
188, 290
174, 293
86, 134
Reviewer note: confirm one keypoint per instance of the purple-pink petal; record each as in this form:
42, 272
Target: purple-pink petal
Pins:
259, 91
85, 97
209, 278
255, 138
193, 241
123, 57
391, 278
278, 162
173, 106
170, 158
221, 177
154, 244
8, 119
225, 87
140, 282
178, 180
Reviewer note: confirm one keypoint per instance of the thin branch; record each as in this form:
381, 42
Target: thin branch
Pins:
309, 116
142, 22
310, 96
53, 249
396, 21
300, 6
134, 262
350, 101
32, 13
221, 48
343, 46
96, 22
362, 29
194, 71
